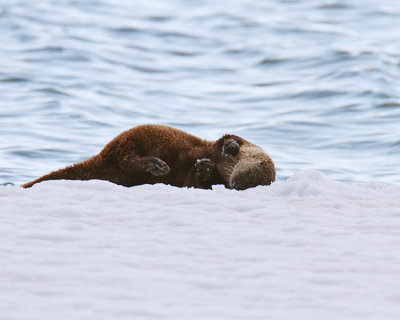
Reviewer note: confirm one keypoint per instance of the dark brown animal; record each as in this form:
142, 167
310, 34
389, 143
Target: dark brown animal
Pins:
149, 154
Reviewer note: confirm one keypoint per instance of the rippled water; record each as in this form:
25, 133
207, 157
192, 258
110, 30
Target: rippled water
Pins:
315, 83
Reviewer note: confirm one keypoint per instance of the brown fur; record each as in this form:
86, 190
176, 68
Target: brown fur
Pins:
158, 154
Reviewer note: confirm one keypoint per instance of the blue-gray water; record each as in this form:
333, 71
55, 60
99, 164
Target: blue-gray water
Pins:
315, 83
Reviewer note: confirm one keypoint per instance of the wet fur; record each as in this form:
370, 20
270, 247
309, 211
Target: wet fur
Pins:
149, 154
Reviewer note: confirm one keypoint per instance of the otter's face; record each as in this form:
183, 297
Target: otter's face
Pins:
249, 174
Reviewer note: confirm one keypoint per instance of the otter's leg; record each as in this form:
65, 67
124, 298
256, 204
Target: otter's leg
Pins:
229, 145
207, 169
153, 165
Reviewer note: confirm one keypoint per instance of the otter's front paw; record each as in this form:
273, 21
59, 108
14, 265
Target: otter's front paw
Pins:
157, 167
206, 168
230, 147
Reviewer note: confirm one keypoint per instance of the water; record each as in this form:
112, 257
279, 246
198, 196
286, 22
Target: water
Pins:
315, 83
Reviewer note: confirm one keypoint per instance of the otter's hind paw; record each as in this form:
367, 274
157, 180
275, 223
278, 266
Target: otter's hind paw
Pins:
206, 168
157, 167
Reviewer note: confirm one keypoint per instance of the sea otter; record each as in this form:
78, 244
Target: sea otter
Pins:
149, 154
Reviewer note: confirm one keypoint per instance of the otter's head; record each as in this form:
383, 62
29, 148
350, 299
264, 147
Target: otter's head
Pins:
253, 168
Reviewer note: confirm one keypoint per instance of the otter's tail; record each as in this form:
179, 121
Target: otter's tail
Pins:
81, 171
54, 175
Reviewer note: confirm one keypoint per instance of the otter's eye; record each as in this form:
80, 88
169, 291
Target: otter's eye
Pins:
262, 164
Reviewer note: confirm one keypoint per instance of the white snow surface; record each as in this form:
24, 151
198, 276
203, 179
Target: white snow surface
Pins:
306, 248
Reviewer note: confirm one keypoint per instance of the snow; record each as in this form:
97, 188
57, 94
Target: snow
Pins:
306, 248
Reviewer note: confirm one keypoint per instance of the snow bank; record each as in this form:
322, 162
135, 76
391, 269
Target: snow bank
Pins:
306, 248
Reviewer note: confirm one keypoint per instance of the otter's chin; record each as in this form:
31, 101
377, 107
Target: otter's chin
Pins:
245, 183
238, 186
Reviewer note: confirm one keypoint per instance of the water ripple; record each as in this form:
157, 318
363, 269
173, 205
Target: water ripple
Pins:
315, 83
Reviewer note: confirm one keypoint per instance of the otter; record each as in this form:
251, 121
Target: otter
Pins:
149, 154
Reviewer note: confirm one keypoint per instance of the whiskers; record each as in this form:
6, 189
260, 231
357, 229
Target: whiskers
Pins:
228, 167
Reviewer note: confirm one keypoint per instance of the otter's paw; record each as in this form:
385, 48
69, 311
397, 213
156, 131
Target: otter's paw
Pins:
206, 168
230, 147
157, 167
